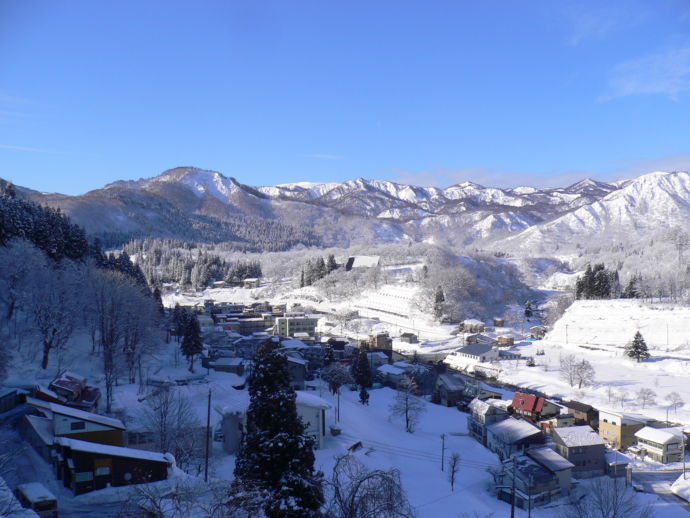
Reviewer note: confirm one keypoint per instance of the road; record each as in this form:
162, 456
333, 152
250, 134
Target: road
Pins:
659, 482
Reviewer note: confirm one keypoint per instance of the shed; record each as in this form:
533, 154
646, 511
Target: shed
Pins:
85, 466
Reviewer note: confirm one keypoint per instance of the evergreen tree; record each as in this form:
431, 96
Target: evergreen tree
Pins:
528, 310
330, 263
180, 319
361, 371
158, 299
276, 457
321, 270
439, 302
191, 342
301, 279
637, 349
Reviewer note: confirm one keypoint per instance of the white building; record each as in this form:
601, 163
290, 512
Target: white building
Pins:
661, 444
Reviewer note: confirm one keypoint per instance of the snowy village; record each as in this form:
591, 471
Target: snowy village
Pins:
326, 259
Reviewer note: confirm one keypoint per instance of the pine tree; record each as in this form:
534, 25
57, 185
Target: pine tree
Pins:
528, 310
276, 457
637, 349
191, 342
439, 302
361, 371
301, 279
330, 263
158, 300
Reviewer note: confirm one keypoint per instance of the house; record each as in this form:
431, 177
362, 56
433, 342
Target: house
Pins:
661, 444
499, 322
505, 340
540, 476
479, 338
225, 364
583, 413
362, 261
478, 352
618, 428
312, 410
512, 435
583, 447
218, 284
450, 389
390, 375
475, 388
380, 341
376, 359
472, 325
86, 466
86, 426
616, 464
293, 323
206, 323
483, 414
560, 420
409, 338
251, 282
534, 408
70, 389
537, 332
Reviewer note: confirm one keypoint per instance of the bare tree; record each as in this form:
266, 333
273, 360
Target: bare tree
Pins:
356, 492
51, 303
576, 372
453, 468
567, 364
605, 497
609, 392
646, 396
622, 398
584, 374
336, 375
674, 400
407, 405
169, 416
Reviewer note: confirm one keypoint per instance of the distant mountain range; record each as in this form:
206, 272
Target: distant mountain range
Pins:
194, 204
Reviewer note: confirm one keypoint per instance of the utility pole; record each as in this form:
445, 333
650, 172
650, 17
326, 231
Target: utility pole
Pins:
682, 438
208, 434
443, 450
512, 496
566, 334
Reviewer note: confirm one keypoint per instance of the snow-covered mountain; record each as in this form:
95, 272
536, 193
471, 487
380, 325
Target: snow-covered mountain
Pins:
191, 203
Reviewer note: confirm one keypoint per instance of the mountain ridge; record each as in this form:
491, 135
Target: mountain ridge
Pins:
188, 202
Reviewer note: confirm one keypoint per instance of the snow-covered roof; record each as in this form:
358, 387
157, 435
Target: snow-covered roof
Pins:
389, 369
294, 359
481, 407
402, 365
476, 349
364, 261
378, 354
452, 383
659, 435
43, 428
86, 416
613, 457
472, 322
292, 344
36, 492
115, 451
573, 436
512, 429
549, 459
311, 400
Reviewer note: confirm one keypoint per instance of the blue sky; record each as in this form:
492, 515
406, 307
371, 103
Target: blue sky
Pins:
499, 92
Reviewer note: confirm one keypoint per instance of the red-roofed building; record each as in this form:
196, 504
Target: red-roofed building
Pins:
534, 408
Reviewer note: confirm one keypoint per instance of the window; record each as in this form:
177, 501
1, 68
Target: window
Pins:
77, 425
